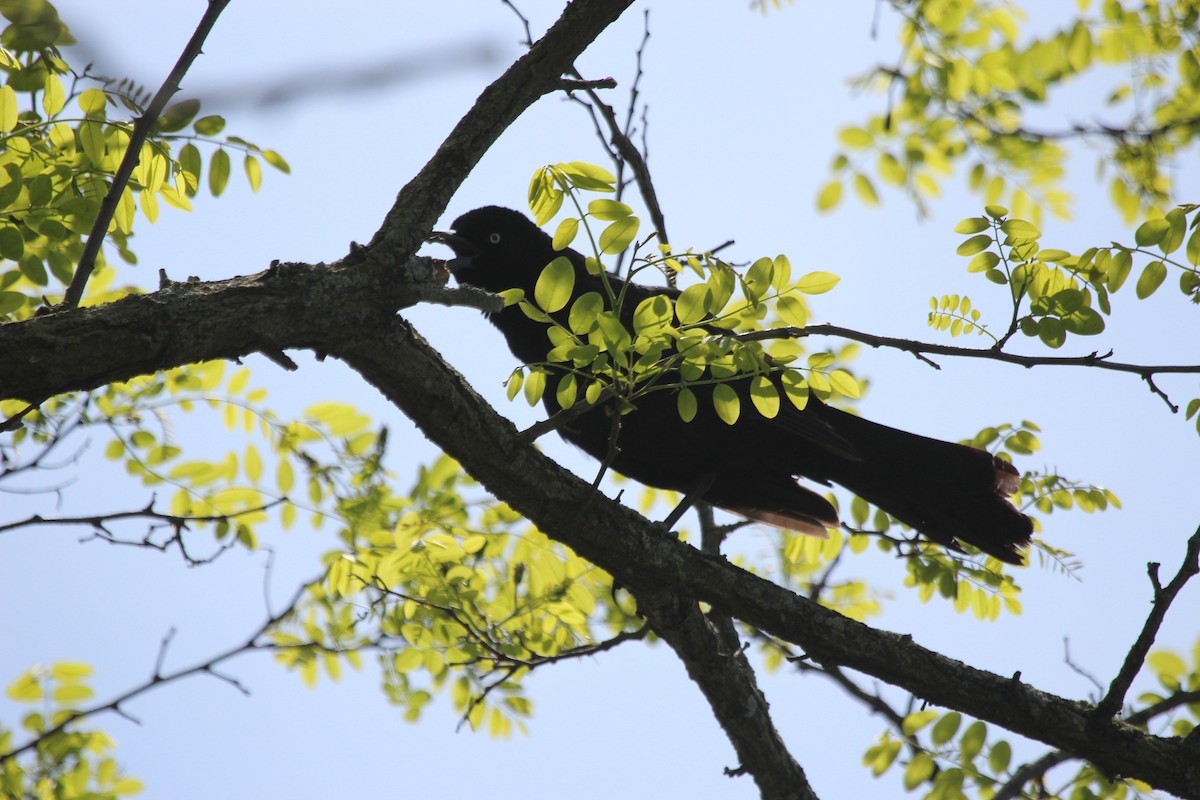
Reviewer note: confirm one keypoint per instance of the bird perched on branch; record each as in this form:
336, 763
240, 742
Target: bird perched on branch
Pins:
948, 492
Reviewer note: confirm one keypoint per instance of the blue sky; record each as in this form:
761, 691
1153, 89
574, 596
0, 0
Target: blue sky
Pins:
744, 109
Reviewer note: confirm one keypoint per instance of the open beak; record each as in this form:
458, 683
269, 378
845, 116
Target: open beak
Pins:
463, 249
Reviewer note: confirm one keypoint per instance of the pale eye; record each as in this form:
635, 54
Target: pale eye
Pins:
494, 238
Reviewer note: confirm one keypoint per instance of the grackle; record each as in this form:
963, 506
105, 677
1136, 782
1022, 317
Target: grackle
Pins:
948, 492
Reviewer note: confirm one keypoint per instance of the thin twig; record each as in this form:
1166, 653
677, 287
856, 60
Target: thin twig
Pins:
919, 349
1111, 703
158, 678
133, 153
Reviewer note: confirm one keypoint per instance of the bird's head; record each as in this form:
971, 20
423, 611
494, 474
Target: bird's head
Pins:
496, 249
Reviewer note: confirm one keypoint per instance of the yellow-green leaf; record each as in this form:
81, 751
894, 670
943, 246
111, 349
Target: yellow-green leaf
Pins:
555, 285
609, 209
565, 233
685, 401
817, 282
253, 172
830, 196
726, 403
1151, 278
765, 396
218, 172
617, 236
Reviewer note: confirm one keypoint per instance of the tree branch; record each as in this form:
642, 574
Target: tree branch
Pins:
641, 558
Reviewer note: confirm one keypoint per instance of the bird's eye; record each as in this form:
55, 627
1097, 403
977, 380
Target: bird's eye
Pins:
494, 238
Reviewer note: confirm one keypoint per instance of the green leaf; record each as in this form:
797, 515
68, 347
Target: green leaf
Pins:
792, 311
566, 391
1151, 278
277, 161
685, 401
844, 383
652, 314
253, 172
1168, 667
535, 386
565, 233
53, 95
617, 236
1051, 331
945, 728
972, 225
1000, 757
609, 210
93, 103
817, 282
1177, 223
795, 387
976, 244
865, 190
583, 172
726, 403
555, 285
25, 689
582, 318
765, 396
856, 138
91, 140
830, 196
1193, 247
692, 304
983, 262
1020, 229
918, 770
177, 116
11, 301
218, 172
1120, 265
210, 125
972, 740
1151, 232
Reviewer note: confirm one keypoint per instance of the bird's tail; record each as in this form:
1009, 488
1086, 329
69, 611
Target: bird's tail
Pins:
949, 492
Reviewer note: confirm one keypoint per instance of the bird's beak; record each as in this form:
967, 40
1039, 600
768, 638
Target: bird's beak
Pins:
463, 249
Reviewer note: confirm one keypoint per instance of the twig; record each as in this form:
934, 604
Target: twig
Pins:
158, 678
918, 349
141, 130
1111, 703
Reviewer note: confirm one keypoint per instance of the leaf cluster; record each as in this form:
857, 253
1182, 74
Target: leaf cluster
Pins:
63, 136
615, 343
66, 765
968, 78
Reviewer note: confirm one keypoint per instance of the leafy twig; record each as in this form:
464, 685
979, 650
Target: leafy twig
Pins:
141, 130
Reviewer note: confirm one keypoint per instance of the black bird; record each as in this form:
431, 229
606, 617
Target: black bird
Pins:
948, 492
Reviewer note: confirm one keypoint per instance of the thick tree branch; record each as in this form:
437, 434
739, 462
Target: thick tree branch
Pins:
715, 661
347, 313
640, 557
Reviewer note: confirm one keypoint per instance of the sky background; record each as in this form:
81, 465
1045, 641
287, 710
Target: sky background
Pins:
743, 111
